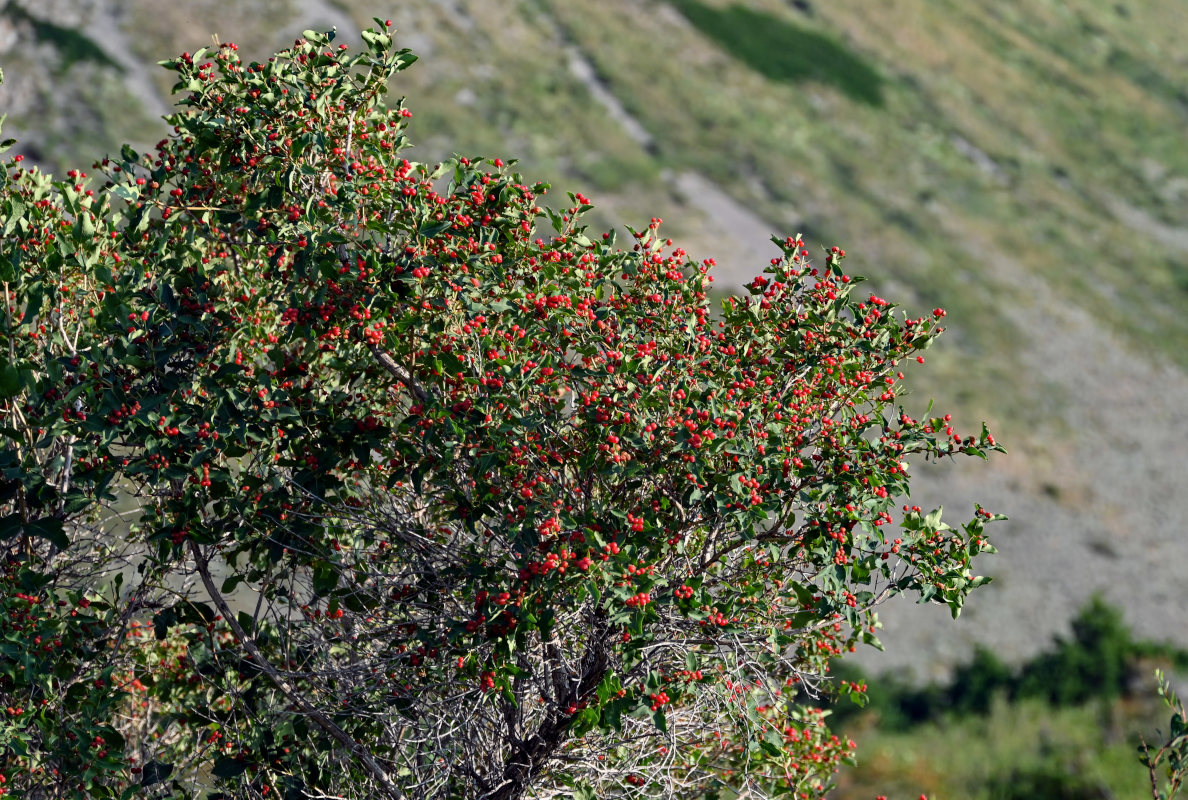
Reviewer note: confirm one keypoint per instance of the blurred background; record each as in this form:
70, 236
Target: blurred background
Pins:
1021, 163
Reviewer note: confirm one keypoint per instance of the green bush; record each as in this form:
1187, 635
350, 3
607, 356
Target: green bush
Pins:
1099, 662
436, 493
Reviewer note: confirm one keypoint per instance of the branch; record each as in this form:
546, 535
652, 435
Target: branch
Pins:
290, 691
529, 756
1150, 763
401, 374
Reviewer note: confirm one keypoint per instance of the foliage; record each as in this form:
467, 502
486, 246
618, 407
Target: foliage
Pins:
1020, 746
1049, 782
1095, 672
781, 51
427, 504
1100, 662
1096, 662
1172, 756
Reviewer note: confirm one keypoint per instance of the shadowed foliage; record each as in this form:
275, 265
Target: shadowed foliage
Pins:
72, 45
781, 51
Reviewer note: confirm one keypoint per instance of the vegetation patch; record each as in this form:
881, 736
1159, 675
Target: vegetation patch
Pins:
782, 51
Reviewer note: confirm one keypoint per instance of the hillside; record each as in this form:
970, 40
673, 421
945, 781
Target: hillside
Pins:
1019, 163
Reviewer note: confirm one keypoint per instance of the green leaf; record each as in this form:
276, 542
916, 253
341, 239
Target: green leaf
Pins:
800, 619
584, 792
325, 578
155, 772
162, 621
403, 59
584, 722
378, 42
226, 767
10, 526
10, 380
301, 143
51, 530
9, 267
15, 212
200, 613
429, 230
802, 592
612, 717
33, 305
125, 192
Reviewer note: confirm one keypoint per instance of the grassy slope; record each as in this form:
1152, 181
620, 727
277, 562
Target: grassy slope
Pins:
1063, 131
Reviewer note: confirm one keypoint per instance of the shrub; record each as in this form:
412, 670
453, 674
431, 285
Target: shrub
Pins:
427, 503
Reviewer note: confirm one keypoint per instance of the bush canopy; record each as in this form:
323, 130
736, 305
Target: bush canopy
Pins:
330, 473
